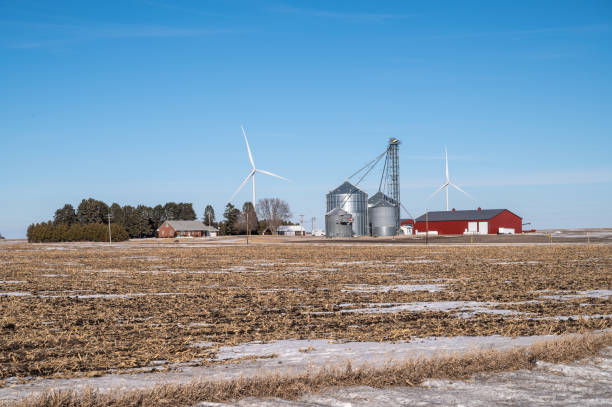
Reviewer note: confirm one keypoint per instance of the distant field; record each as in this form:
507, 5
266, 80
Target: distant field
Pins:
543, 236
88, 309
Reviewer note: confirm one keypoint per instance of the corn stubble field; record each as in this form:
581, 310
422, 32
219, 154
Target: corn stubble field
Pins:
87, 310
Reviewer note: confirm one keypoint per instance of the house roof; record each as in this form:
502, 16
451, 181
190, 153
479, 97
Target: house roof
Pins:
483, 214
190, 226
291, 228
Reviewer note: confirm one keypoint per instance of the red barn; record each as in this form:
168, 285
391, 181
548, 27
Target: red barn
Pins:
480, 221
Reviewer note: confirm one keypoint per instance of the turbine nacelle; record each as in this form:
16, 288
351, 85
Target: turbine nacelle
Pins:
254, 170
448, 183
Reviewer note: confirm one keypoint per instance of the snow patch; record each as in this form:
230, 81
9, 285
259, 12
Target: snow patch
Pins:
364, 288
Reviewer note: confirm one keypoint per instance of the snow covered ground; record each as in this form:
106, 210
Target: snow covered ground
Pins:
585, 383
289, 357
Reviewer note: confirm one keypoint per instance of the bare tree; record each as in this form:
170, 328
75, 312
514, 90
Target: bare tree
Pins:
275, 211
241, 221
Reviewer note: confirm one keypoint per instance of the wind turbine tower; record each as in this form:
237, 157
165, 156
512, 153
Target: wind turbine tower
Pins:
448, 183
254, 170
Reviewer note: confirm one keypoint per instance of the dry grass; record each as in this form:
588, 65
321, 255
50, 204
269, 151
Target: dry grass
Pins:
407, 373
232, 295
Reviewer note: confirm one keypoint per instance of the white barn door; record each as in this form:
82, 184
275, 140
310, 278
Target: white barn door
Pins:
483, 228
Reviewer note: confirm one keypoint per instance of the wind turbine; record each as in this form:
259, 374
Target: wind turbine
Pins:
448, 183
254, 170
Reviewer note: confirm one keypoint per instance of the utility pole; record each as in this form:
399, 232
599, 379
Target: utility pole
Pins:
426, 227
110, 238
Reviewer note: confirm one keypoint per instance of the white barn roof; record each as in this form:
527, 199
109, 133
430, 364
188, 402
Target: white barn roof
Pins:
189, 226
291, 228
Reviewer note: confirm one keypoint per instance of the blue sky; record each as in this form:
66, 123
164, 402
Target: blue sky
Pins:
141, 101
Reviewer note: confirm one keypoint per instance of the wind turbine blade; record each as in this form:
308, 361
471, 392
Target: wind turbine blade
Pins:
242, 185
272, 174
437, 190
248, 148
446, 154
461, 190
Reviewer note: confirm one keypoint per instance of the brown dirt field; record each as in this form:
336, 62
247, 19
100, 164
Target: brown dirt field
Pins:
90, 309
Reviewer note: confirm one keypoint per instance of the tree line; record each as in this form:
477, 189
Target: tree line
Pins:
142, 221
137, 222
77, 232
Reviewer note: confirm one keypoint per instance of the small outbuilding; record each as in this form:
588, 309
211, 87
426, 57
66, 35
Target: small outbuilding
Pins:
185, 228
338, 223
291, 230
407, 226
476, 222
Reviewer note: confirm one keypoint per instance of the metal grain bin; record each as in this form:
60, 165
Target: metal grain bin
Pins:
338, 223
383, 219
375, 200
354, 201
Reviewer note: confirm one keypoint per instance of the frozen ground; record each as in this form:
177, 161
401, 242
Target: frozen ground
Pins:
468, 307
585, 383
290, 356
580, 294
364, 288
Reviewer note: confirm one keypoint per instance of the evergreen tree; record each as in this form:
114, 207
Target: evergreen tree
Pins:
186, 212
231, 216
92, 211
131, 221
65, 215
171, 211
157, 217
209, 216
116, 213
94, 232
143, 219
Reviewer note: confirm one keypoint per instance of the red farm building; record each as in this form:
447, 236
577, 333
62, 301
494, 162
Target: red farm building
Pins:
185, 228
478, 222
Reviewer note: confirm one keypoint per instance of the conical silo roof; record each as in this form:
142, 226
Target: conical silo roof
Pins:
336, 211
346, 188
383, 203
378, 197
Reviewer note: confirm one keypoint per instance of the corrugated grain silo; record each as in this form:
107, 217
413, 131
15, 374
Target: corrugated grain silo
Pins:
383, 217
354, 201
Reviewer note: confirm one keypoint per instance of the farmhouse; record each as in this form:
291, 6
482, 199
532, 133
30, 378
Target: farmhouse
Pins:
185, 228
478, 222
291, 230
